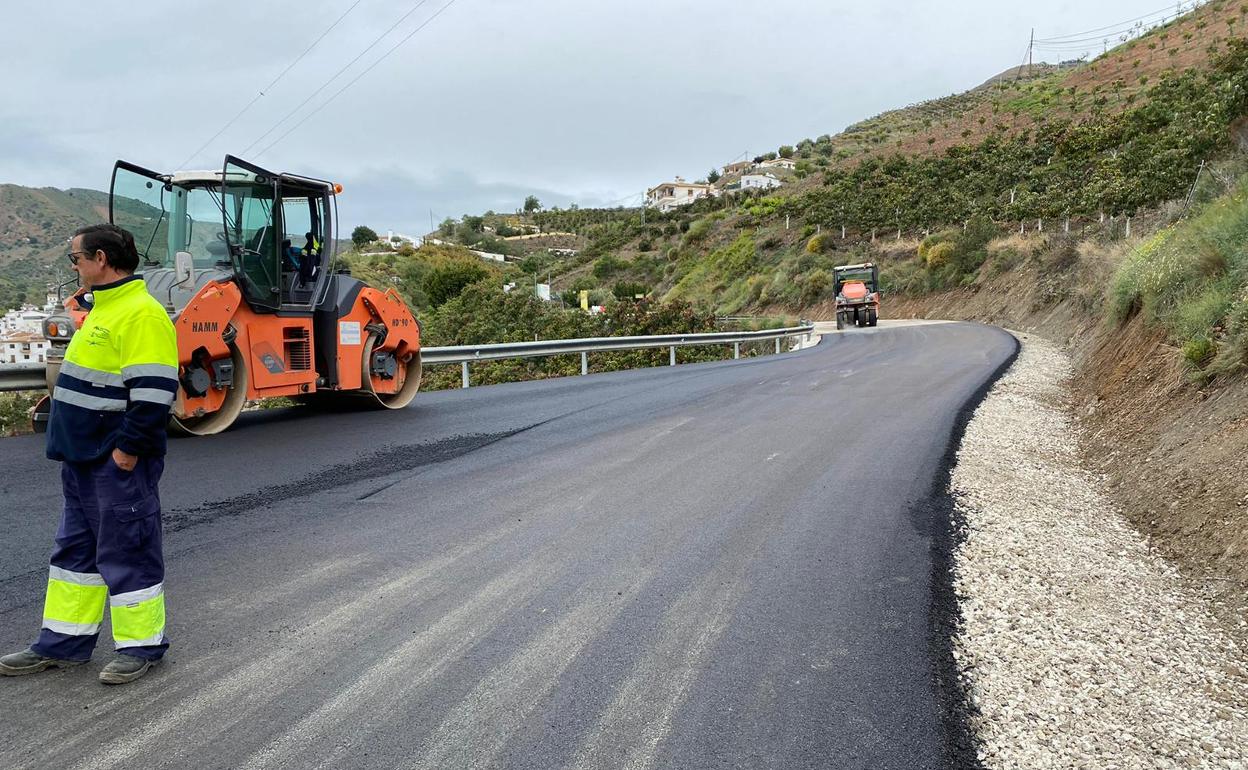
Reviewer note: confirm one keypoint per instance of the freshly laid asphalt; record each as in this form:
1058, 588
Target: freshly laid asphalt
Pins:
734, 564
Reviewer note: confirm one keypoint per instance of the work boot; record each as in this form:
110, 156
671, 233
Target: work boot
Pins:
30, 662
125, 668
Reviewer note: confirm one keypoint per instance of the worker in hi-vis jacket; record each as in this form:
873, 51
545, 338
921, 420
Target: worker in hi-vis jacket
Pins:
107, 427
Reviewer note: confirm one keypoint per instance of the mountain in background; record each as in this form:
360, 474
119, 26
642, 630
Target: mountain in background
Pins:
35, 224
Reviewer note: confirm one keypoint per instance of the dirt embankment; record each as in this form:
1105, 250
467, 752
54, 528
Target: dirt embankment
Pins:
1175, 453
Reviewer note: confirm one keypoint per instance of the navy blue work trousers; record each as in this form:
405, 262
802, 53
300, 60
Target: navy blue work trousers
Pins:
108, 550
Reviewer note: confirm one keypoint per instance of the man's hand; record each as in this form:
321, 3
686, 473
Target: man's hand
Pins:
124, 461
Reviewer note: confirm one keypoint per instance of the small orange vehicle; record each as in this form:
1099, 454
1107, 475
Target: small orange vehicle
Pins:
243, 260
857, 294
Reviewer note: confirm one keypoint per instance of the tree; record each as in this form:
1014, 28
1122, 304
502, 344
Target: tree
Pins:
448, 281
713, 176
362, 235
532, 204
786, 151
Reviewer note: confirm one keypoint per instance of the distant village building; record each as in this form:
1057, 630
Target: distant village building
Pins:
738, 168
398, 239
759, 182
23, 348
788, 163
27, 318
670, 195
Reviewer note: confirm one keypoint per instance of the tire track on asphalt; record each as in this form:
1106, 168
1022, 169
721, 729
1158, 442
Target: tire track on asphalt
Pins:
477, 729
440, 645
193, 700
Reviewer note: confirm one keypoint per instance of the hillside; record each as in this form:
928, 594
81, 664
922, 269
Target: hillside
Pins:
1023, 99
1089, 148
34, 226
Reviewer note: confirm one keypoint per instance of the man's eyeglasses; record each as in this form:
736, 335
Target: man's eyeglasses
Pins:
74, 256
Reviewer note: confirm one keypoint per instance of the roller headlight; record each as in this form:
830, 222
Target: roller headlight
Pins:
58, 327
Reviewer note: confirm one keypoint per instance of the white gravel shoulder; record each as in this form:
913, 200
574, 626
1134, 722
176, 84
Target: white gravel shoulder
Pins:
1078, 648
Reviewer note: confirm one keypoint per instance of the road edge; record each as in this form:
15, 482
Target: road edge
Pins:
960, 745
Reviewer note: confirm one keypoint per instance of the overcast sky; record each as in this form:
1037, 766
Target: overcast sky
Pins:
586, 101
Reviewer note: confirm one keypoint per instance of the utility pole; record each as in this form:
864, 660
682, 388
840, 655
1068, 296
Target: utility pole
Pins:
1031, 46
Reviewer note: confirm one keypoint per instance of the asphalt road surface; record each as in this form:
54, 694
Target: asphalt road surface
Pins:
716, 565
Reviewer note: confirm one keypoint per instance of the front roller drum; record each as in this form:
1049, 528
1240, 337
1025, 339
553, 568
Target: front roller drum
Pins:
235, 399
391, 381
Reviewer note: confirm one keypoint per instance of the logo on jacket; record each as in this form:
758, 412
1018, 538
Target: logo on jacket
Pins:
99, 336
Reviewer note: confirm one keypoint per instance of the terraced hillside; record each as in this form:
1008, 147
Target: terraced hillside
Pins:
1023, 99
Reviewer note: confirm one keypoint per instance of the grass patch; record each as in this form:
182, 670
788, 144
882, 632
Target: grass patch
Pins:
1192, 278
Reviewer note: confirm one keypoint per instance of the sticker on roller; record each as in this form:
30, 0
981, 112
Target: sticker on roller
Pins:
348, 332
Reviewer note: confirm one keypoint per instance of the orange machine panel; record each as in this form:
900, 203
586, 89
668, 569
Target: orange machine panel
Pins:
280, 355
374, 307
201, 324
403, 335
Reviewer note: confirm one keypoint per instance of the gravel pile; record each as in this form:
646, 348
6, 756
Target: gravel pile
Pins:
1079, 648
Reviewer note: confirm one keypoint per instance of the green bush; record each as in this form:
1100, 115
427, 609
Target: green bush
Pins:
628, 290
446, 282
1199, 352
698, 230
814, 285
938, 255
15, 411
608, 266
819, 243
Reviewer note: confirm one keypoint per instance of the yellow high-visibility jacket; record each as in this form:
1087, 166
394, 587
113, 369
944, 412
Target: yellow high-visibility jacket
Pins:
118, 380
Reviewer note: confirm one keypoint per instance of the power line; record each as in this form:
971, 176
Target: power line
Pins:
260, 95
1067, 38
354, 80
1091, 39
335, 76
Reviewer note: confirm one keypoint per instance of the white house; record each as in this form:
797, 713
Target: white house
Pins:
398, 239
23, 348
788, 163
28, 318
759, 182
670, 195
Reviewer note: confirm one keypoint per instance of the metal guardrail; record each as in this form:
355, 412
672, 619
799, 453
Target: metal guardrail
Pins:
31, 376
22, 377
466, 354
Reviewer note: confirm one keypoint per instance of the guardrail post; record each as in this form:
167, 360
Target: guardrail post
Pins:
584, 362
777, 344
672, 358
736, 350
463, 368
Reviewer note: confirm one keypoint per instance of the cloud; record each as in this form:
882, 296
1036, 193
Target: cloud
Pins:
494, 100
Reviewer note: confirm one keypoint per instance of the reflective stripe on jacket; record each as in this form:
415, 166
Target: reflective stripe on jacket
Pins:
118, 380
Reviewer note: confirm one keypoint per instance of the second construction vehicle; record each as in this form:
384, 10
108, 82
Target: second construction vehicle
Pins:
242, 259
857, 290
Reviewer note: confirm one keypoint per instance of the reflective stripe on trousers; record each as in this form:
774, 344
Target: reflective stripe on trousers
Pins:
138, 617
74, 604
